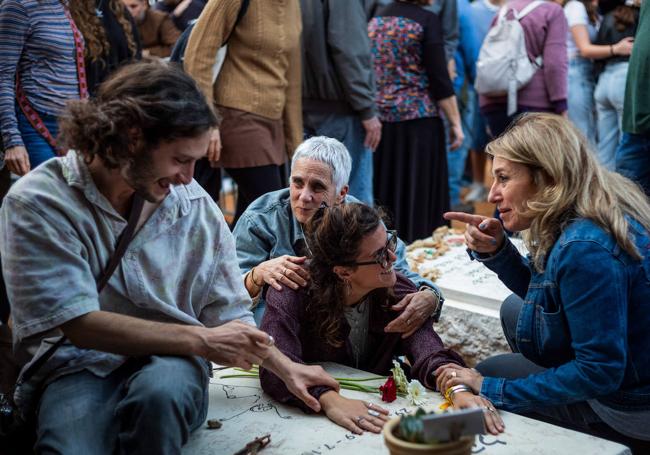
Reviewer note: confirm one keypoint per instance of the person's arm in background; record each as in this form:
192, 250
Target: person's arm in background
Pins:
349, 45
556, 60
14, 30
596, 51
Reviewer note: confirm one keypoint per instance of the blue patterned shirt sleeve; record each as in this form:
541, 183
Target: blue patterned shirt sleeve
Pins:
14, 28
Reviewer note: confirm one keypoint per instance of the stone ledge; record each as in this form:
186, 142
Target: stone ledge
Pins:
472, 331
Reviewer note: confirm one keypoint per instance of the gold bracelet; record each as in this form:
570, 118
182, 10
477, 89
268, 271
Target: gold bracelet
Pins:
252, 274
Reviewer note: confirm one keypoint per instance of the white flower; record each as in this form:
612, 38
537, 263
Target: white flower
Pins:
415, 393
399, 377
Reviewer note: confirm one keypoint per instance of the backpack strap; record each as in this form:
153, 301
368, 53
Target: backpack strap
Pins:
528, 9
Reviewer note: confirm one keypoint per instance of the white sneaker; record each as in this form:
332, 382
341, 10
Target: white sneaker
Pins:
477, 193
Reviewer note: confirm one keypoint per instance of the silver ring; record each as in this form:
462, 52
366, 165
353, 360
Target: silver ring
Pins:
271, 341
368, 404
408, 322
360, 419
373, 413
491, 409
453, 374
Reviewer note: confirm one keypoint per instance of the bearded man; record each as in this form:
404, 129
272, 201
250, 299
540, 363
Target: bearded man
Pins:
134, 376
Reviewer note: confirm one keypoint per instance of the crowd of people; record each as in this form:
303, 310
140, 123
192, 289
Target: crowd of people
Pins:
369, 109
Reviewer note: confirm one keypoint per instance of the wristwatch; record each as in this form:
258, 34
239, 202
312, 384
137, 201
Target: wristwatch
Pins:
439, 297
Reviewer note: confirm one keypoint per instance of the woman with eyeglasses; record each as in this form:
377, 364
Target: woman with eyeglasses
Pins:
341, 315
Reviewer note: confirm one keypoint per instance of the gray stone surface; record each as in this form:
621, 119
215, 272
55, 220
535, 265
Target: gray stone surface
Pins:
473, 335
469, 323
246, 412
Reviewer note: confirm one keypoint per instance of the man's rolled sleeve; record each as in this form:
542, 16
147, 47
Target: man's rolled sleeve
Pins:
48, 279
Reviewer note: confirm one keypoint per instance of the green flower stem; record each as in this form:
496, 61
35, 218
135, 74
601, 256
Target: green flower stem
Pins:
227, 376
376, 378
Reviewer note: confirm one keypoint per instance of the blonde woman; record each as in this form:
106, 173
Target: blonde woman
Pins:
581, 346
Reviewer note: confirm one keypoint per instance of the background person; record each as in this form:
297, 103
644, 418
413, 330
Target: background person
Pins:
338, 87
41, 56
545, 29
618, 24
257, 91
111, 38
584, 21
633, 154
413, 86
158, 33
580, 341
340, 317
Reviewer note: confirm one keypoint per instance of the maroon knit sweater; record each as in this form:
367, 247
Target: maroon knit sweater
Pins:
286, 320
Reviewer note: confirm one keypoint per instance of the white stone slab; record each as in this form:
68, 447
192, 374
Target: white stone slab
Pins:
246, 413
464, 280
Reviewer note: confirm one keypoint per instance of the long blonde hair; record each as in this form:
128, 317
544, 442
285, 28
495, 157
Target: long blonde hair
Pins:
570, 182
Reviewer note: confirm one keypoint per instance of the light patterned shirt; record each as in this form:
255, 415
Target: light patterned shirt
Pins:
59, 233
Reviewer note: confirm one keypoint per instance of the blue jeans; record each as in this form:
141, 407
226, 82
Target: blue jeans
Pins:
38, 149
149, 405
456, 158
581, 100
348, 129
609, 95
633, 159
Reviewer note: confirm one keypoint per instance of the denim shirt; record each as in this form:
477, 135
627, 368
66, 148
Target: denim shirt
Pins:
585, 318
268, 229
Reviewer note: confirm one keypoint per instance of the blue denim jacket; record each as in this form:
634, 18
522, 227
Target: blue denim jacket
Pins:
268, 229
585, 318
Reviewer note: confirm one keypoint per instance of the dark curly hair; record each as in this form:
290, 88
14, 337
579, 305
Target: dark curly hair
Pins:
334, 236
92, 28
151, 100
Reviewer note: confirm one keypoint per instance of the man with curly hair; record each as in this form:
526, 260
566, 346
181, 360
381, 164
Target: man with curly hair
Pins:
134, 375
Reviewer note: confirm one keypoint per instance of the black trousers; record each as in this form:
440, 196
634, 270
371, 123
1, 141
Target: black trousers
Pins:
253, 182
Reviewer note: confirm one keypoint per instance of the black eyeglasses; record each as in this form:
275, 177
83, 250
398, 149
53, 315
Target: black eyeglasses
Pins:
382, 257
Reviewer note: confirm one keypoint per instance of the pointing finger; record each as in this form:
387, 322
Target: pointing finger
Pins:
464, 217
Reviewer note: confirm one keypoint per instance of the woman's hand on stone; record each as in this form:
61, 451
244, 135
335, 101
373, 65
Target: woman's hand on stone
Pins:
483, 234
493, 422
283, 271
355, 415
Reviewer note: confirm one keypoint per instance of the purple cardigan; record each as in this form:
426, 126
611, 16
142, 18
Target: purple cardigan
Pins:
285, 320
546, 31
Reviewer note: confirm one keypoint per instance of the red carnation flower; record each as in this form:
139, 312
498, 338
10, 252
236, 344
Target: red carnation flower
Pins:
388, 390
